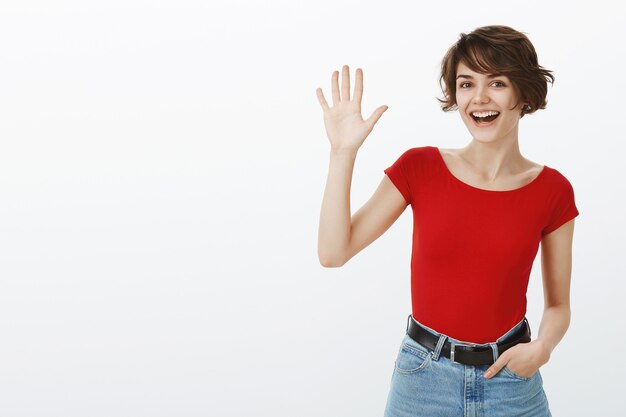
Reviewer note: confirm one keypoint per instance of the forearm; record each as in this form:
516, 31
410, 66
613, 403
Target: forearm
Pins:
335, 217
554, 324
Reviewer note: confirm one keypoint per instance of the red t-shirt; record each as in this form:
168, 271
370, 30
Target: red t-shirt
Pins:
473, 249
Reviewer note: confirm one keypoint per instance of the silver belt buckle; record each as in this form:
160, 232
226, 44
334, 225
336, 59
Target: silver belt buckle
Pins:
454, 344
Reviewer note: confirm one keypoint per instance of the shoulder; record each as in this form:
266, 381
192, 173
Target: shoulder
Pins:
419, 153
414, 163
555, 176
557, 184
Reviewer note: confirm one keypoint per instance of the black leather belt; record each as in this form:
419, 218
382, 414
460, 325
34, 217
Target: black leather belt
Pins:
466, 353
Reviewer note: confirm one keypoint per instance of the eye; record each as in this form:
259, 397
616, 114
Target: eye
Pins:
495, 82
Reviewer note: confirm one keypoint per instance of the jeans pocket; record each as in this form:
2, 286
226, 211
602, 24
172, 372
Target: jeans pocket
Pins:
512, 374
412, 357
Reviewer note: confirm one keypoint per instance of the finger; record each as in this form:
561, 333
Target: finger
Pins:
494, 368
358, 86
335, 87
376, 115
322, 100
345, 83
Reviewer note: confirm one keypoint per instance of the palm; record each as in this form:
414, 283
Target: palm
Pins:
344, 122
345, 126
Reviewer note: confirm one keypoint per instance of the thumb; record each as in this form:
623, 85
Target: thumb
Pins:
376, 115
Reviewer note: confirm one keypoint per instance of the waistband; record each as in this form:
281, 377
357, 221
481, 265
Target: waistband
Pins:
520, 324
466, 352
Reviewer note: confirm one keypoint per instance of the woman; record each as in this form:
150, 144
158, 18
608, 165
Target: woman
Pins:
479, 215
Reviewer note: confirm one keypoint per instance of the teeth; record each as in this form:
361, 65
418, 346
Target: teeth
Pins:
485, 114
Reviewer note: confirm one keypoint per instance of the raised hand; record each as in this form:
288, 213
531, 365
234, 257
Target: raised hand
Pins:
344, 123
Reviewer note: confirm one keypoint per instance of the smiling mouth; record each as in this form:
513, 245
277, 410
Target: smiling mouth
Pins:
484, 120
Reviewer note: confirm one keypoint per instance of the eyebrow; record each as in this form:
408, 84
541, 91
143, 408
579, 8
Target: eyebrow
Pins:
470, 77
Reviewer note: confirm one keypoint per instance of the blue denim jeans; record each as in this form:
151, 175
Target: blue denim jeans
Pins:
427, 384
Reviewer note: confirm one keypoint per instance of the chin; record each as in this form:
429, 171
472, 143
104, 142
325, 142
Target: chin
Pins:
484, 138
485, 141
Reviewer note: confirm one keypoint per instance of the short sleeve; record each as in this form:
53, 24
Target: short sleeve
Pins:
565, 208
398, 173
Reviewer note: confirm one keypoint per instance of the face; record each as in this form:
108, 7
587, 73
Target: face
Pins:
477, 92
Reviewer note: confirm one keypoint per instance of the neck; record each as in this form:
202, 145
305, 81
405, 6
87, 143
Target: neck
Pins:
495, 159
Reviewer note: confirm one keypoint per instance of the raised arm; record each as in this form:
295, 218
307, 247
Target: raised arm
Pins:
341, 235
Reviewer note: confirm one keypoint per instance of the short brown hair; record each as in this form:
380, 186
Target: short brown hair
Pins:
502, 50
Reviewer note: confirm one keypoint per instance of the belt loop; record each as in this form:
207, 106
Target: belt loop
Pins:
439, 346
494, 348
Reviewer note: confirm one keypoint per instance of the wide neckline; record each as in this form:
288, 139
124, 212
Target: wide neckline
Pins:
454, 178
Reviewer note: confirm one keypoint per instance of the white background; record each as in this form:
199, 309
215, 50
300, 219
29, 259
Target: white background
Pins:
161, 175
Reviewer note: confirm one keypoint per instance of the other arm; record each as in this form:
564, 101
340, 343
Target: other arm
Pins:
556, 270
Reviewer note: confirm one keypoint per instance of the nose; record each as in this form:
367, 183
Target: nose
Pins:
480, 96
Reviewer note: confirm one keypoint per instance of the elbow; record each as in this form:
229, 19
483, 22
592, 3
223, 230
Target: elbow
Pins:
328, 261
